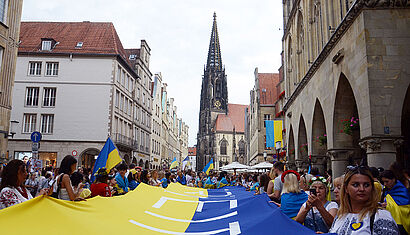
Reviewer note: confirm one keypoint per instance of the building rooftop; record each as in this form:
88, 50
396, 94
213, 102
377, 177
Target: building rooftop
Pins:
267, 87
71, 37
234, 119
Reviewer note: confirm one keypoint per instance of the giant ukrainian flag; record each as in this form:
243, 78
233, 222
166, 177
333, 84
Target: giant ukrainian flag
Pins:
177, 210
108, 157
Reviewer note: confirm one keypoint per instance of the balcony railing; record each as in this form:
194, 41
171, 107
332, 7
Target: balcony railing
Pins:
123, 141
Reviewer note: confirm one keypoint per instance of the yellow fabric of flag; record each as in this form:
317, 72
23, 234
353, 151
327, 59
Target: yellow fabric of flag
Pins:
278, 127
113, 159
141, 211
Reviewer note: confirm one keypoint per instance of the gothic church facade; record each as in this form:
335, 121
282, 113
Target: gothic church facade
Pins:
221, 125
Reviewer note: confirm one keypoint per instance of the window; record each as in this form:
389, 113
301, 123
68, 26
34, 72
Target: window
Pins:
223, 147
241, 147
79, 45
32, 96
34, 68
119, 74
127, 82
122, 102
51, 68
3, 10
265, 118
117, 99
133, 57
46, 45
143, 98
49, 97
47, 123
123, 77
29, 121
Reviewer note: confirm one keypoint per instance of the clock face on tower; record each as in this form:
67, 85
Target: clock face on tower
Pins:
217, 104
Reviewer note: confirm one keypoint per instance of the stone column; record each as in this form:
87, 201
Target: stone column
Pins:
381, 150
340, 160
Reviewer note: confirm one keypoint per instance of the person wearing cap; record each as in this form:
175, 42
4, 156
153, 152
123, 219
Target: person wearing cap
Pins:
100, 186
292, 197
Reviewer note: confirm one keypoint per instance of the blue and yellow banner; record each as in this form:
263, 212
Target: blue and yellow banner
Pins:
209, 166
174, 163
108, 158
151, 210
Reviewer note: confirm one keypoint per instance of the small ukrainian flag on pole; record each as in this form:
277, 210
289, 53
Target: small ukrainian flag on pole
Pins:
174, 163
209, 167
108, 158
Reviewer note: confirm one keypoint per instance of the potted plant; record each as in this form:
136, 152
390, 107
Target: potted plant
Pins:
349, 125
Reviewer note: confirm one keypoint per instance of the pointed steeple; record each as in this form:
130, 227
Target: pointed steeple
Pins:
214, 61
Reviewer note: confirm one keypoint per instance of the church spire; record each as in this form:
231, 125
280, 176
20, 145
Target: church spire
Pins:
214, 61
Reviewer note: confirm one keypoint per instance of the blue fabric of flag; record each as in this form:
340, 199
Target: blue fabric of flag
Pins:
186, 159
109, 148
270, 134
253, 213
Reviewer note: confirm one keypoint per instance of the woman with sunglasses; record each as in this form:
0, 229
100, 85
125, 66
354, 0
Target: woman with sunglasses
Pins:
12, 190
358, 212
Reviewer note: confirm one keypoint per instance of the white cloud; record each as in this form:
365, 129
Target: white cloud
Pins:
178, 32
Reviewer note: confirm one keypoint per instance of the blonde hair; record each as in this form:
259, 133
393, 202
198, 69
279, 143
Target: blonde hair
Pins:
369, 206
338, 181
291, 184
272, 174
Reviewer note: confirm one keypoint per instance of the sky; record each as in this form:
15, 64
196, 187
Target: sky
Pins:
178, 33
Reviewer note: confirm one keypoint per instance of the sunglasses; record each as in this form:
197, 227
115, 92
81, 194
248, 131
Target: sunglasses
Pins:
357, 168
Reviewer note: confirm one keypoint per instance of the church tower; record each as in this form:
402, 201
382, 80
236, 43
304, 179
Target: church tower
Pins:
214, 100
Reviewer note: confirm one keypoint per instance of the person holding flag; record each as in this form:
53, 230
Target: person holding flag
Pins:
108, 158
207, 169
397, 200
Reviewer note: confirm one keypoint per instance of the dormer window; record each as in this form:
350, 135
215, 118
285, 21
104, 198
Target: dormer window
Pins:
47, 44
79, 45
133, 57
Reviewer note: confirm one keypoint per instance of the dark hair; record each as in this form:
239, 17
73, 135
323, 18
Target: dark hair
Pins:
374, 172
130, 177
255, 177
144, 176
48, 175
388, 174
264, 181
398, 171
76, 178
9, 174
132, 166
221, 175
65, 166
314, 171
122, 167
279, 165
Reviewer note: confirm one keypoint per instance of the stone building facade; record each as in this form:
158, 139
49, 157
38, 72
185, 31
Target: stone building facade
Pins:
262, 107
10, 16
77, 89
343, 60
169, 133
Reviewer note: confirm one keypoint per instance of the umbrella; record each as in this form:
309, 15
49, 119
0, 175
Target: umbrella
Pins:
262, 165
234, 166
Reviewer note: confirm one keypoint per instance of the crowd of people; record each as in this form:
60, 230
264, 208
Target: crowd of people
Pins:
362, 201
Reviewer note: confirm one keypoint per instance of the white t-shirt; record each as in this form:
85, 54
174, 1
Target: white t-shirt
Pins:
329, 206
277, 184
350, 225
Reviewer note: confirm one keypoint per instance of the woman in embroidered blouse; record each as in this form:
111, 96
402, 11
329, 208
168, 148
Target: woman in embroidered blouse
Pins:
12, 190
358, 212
